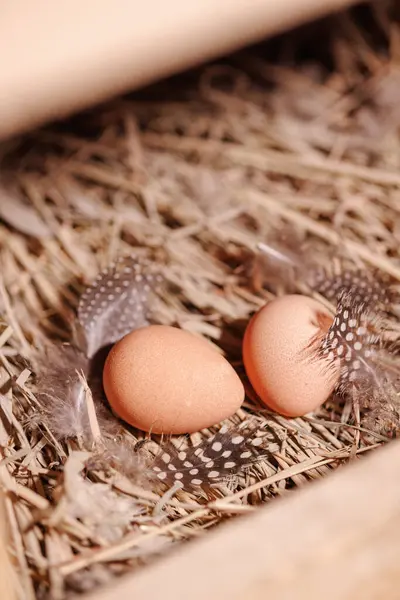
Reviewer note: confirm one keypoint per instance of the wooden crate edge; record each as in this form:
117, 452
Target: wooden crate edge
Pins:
335, 539
63, 57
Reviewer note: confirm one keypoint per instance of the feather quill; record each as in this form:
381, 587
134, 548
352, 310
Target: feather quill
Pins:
220, 457
116, 303
355, 342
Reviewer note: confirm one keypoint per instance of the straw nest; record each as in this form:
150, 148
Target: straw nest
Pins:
196, 172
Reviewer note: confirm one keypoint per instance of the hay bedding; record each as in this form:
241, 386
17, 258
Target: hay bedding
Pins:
243, 149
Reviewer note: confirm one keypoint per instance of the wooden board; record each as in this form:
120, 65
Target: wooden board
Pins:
337, 539
60, 57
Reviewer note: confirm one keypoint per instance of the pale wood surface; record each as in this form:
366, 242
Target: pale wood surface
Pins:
59, 57
337, 539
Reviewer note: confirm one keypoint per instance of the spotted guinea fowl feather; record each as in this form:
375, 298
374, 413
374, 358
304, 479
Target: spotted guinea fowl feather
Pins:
223, 455
366, 287
354, 343
353, 339
116, 303
372, 286
356, 353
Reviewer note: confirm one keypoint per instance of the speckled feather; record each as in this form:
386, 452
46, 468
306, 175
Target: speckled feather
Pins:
352, 339
218, 458
355, 339
291, 263
366, 287
116, 303
355, 342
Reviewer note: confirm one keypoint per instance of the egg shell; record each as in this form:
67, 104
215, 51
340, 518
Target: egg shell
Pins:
276, 359
167, 380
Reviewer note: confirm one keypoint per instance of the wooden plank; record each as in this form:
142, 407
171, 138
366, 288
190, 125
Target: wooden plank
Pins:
60, 57
338, 539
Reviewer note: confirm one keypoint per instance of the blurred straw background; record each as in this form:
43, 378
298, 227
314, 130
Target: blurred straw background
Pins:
7, 573
301, 134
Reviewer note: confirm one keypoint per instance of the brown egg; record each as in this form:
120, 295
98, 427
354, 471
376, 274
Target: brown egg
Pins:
166, 380
277, 358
